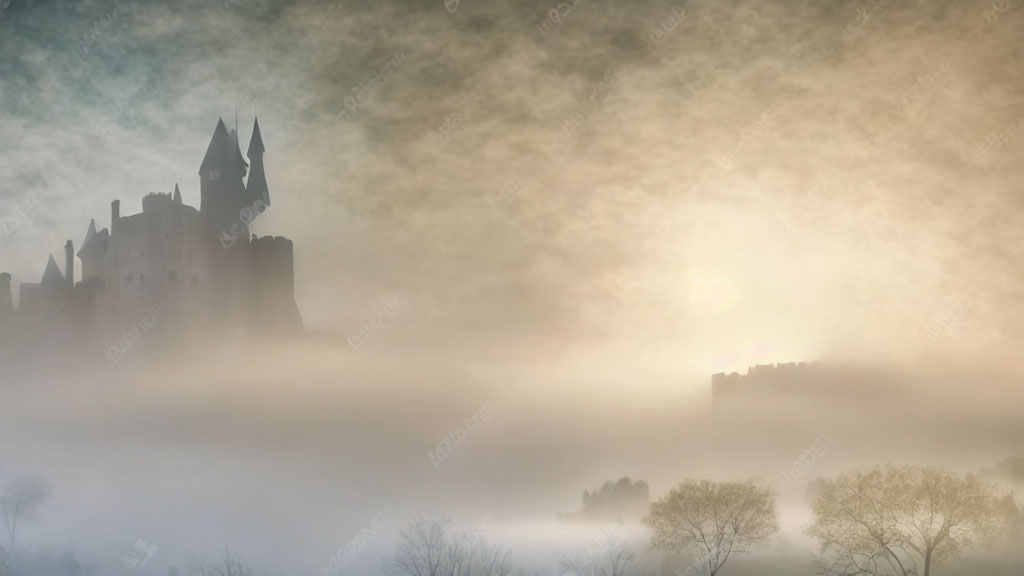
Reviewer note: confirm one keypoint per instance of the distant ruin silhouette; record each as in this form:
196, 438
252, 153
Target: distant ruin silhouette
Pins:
810, 384
192, 273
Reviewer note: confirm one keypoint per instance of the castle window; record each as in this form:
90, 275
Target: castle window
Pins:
214, 174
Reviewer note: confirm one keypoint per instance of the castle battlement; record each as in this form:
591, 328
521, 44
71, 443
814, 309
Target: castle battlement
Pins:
272, 244
762, 380
763, 371
796, 382
156, 201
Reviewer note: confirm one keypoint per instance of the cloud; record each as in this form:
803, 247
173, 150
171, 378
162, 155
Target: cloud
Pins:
392, 128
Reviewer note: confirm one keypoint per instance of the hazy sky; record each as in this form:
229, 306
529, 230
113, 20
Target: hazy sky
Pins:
571, 212
706, 178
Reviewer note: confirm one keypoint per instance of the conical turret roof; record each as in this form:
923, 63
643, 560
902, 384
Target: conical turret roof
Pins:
90, 234
223, 153
52, 275
93, 240
256, 142
256, 187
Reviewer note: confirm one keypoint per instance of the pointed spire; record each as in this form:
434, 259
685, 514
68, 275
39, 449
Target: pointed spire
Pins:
177, 194
52, 275
216, 151
256, 143
256, 187
223, 154
90, 235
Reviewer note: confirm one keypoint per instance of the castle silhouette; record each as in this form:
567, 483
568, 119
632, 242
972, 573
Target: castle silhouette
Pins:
170, 269
811, 385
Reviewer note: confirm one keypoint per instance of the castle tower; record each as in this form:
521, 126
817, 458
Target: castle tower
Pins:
69, 263
169, 257
274, 265
7, 328
223, 199
256, 187
221, 190
93, 253
6, 303
47, 307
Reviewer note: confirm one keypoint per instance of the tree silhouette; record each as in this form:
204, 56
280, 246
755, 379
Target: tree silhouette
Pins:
899, 520
614, 501
20, 502
428, 548
712, 520
226, 566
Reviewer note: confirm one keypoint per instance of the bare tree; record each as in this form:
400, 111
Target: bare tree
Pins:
713, 520
427, 548
20, 502
607, 557
899, 520
616, 562
226, 566
491, 559
1012, 519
